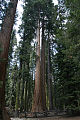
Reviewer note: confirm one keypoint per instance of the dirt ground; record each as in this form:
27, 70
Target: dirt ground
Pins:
49, 118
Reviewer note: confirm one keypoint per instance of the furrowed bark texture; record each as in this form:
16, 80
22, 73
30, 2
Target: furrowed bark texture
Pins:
5, 35
37, 99
43, 68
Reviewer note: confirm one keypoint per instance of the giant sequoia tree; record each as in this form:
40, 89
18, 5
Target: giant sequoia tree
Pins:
5, 35
42, 8
35, 20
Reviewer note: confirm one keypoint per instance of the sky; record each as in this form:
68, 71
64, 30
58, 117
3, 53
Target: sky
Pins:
20, 11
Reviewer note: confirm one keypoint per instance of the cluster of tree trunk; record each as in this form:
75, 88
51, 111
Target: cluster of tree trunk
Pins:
39, 99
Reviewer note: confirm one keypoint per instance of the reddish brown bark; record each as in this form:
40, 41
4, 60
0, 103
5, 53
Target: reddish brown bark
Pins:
43, 67
5, 36
37, 99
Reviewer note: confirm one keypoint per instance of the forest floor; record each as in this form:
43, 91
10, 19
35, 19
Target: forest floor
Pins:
49, 118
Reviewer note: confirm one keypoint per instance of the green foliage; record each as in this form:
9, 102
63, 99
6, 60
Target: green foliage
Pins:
67, 60
3, 7
11, 72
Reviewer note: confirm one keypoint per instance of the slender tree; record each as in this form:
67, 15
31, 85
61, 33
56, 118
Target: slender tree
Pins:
50, 90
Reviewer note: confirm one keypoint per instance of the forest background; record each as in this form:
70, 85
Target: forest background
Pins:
49, 43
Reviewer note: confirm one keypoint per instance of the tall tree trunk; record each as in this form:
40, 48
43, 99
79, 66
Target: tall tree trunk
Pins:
5, 36
43, 67
37, 99
23, 83
25, 104
26, 89
17, 105
49, 78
